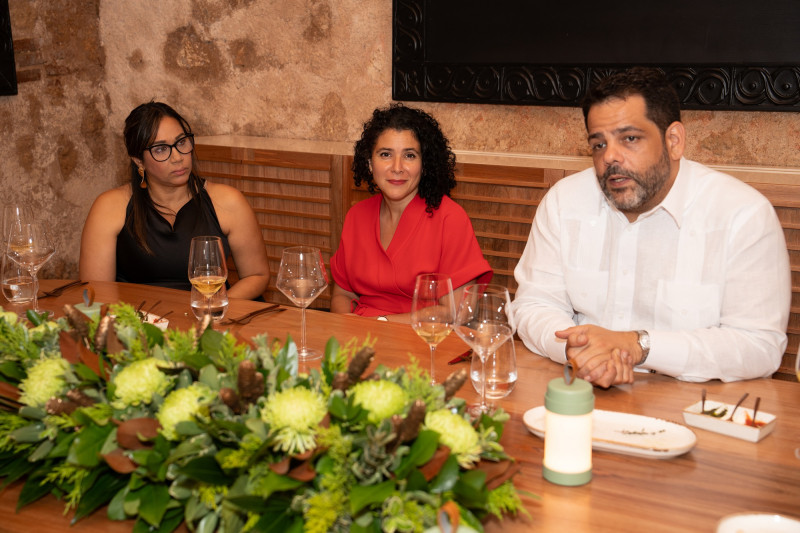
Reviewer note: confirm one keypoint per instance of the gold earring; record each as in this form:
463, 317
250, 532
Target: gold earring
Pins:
143, 183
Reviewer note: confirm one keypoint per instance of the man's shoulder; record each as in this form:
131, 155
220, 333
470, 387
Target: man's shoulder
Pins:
708, 181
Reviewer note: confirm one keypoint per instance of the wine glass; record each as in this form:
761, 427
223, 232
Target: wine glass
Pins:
302, 277
30, 247
482, 322
207, 267
14, 216
500, 371
17, 284
433, 311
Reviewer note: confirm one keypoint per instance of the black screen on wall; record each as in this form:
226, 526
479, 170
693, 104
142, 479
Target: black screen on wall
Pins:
8, 73
719, 53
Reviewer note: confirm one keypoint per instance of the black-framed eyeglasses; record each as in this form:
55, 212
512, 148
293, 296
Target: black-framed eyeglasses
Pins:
162, 151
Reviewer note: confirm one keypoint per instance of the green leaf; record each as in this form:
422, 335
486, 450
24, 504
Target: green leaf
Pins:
329, 360
208, 524
287, 360
32, 433
211, 343
209, 375
366, 523
41, 451
188, 428
63, 443
276, 517
471, 489
16, 470
32, 490
361, 496
416, 481
116, 509
36, 413
155, 337
205, 469
85, 373
36, 318
100, 493
85, 449
447, 477
153, 503
420, 453
12, 370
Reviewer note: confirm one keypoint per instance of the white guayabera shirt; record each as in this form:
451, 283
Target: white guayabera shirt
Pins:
706, 273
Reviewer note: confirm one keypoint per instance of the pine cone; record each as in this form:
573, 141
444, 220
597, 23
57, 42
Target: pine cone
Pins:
454, 382
250, 382
230, 398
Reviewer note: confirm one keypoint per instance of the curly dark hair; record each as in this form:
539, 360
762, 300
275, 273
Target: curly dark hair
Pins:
661, 100
438, 161
141, 128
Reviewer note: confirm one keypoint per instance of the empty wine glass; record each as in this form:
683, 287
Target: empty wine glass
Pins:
16, 282
14, 216
301, 278
433, 311
482, 322
500, 369
207, 267
30, 247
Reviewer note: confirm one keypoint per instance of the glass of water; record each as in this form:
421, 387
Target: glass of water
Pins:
219, 304
501, 372
16, 281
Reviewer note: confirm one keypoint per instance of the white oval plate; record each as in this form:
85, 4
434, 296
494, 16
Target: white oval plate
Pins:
758, 523
627, 434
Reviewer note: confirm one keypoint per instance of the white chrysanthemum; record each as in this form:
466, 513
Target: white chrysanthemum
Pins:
381, 398
294, 416
457, 434
45, 380
183, 405
138, 382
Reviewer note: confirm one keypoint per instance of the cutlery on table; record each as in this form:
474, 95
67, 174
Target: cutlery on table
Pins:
735, 407
58, 291
466, 356
245, 319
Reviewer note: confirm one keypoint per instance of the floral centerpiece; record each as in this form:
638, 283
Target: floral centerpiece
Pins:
196, 427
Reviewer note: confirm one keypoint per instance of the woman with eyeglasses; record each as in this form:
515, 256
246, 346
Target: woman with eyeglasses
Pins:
141, 232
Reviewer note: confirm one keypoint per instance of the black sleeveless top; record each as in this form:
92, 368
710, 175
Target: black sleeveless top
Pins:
168, 266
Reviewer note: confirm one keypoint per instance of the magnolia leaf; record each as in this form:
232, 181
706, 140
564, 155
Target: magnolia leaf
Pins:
153, 503
100, 493
432, 467
36, 413
361, 496
303, 472
208, 524
32, 490
69, 347
471, 489
421, 451
85, 449
447, 477
205, 469
8, 390
135, 434
116, 511
91, 360
119, 462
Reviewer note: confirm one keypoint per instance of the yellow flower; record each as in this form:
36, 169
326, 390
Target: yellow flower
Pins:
138, 382
45, 380
183, 405
457, 434
294, 416
381, 398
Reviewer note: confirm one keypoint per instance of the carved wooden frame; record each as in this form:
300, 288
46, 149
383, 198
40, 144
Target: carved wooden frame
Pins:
726, 87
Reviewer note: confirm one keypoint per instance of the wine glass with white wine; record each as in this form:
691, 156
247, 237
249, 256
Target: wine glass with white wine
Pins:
482, 322
208, 270
433, 311
301, 278
30, 247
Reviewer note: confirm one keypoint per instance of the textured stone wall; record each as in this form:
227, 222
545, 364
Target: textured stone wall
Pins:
302, 69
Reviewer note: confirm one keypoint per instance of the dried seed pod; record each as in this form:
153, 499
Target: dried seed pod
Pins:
103, 329
77, 320
359, 364
340, 381
454, 382
80, 398
408, 429
205, 323
250, 382
230, 398
59, 406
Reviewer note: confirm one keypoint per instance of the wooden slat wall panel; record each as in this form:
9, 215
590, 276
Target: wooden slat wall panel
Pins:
302, 198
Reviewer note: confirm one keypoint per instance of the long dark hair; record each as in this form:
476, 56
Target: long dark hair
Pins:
141, 128
438, 161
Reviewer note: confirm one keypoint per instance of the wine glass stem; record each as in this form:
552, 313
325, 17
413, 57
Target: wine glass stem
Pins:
35, 279
433, 371
302, 330
483, 384
208, 304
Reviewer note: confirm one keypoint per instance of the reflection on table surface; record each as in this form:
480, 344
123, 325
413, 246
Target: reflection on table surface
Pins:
720, 476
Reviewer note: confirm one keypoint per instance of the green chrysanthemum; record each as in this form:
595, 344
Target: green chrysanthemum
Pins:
183, 405
381, 398
457, 434
138, 382
294, 416
46, 378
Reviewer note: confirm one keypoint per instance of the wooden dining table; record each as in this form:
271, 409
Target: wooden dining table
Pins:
719, 476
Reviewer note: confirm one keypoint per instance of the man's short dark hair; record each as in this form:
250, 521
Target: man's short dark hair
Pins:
663, 107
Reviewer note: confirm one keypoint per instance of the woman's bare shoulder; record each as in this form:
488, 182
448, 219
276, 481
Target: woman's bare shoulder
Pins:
224, 194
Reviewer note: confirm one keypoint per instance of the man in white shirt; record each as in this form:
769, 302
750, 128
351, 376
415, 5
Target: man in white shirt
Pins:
649, 260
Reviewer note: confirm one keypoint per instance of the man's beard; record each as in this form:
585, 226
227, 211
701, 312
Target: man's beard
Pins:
646, 184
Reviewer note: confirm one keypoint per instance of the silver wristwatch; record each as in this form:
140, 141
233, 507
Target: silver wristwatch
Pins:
644, 344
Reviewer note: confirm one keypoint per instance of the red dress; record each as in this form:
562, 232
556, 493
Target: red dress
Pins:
384, 279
